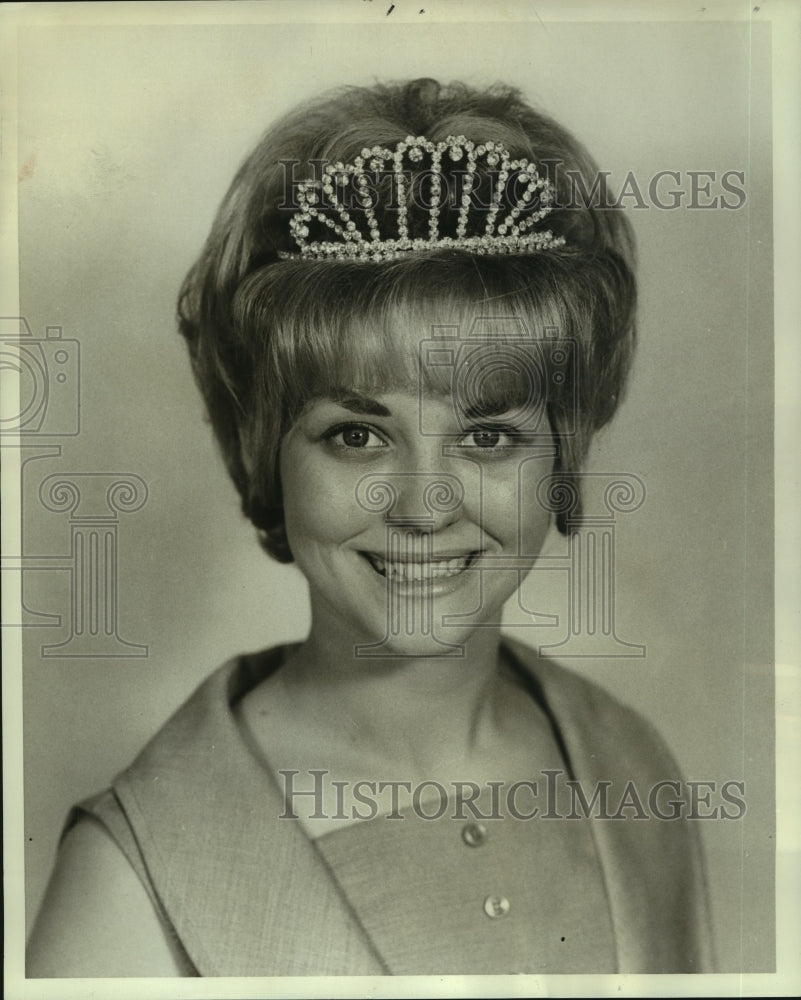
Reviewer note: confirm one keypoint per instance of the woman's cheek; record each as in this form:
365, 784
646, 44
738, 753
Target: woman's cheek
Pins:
320, 498
510, 509
500, 497
535, 520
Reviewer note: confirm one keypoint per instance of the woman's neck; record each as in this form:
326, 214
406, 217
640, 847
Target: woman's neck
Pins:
329, 723
416, 712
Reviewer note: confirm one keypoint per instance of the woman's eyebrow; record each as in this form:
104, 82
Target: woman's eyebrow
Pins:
360, 404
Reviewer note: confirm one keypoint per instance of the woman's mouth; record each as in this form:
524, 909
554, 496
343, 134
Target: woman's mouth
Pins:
417, 571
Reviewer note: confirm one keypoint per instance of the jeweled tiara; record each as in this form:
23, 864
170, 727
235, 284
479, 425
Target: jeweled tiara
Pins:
320, 201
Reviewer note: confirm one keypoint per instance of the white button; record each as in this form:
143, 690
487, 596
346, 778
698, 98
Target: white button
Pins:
474, 834
496, 906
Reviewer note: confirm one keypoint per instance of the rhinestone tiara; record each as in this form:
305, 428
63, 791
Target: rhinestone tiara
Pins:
506, 223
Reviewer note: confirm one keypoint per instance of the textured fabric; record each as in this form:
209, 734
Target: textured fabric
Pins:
247, 894
420, 891
653, 868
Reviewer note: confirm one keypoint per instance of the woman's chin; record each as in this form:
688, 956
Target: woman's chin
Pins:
445, 625
443, 641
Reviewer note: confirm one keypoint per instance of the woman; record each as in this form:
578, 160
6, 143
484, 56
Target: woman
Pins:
406, 332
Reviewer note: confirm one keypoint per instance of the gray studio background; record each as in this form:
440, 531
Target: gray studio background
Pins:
128, 139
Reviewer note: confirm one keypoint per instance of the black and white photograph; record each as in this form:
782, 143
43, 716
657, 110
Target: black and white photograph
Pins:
400, 464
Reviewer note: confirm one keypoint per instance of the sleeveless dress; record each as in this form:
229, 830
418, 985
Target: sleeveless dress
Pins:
471, 891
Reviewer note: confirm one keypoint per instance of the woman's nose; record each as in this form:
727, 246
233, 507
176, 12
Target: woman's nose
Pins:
428, 500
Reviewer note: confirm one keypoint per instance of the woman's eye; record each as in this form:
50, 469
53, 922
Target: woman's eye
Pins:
491, 438
355, 436
485, 438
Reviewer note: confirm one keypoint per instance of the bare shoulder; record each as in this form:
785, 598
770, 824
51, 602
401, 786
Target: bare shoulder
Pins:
97, 919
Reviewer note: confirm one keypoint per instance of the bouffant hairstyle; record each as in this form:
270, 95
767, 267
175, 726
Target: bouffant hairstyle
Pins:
266, 334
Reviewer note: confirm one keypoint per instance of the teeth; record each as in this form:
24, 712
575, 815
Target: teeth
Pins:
417, 572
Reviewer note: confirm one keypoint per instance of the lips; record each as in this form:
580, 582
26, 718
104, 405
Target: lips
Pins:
417, 571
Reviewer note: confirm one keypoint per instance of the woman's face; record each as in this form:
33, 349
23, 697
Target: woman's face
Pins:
412, 519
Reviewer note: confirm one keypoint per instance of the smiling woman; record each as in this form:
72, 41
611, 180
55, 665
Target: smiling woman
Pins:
405, 346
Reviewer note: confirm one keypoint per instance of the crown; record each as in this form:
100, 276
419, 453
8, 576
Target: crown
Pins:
520, 198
